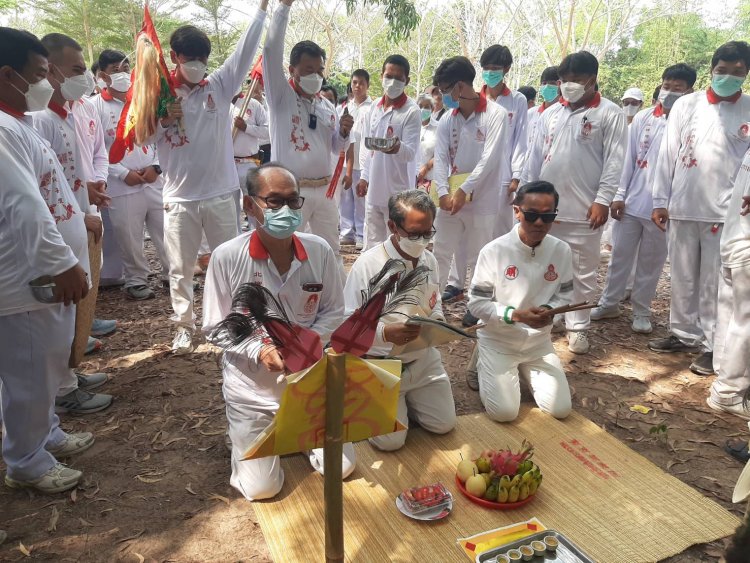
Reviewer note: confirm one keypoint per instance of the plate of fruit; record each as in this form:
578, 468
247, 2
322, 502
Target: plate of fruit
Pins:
500, 479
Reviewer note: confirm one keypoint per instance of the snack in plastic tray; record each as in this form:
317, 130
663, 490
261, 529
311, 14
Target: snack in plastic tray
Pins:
427, 497
380, 143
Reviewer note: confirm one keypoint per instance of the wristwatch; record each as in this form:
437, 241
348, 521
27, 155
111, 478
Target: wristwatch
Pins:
156, 168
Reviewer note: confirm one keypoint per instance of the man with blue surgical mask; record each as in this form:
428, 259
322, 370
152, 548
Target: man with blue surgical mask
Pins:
550, 93
707, 135
301, 270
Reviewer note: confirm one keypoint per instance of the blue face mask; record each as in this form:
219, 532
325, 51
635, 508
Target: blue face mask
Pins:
426, 114
549, 92
493, 77
726, 85
281, 223
449, 102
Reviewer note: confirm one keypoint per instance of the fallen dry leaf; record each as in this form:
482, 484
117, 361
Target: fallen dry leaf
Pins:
641, 409
140, 557
74, 496
172, 441
133, 537
86, 523
190, 490
149, 479
25, 550
52, 527
219, 497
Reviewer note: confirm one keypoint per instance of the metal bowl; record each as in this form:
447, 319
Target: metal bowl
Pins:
43, 289
380, 143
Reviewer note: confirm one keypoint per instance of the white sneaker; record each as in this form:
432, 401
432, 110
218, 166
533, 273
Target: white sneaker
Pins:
74, 443
58, 479
642, 325
737, 409
578, 342
599, 313
183, 341
558, 324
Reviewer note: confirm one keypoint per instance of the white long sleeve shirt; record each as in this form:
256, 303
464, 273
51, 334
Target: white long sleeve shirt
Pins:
195, 152
581, 152
511, 275
360, 113
371, 263
109, 110
306, 152
247, 142
701, 151
641, 156
476, 145
389, 174
735, 237
427, 140
310, 293
77, 137
41, 226
517, 107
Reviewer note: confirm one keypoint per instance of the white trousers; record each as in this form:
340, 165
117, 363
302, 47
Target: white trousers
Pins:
504, 219
184, 225
426, 397
376, 225
129, 214
474, 230
732, 342
640, 242
352, 209
320, 216
112, 266
499, 381
247, 416
584, 243
695, 269
35, 347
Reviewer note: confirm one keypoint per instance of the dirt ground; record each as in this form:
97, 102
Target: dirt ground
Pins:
157, 480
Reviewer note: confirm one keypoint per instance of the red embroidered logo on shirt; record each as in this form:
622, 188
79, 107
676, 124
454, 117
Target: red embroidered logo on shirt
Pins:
433, 300
210, 103
511, 272
744, 131
92, 128
550, 275
586, 129
389, 132
480, 136
311, 305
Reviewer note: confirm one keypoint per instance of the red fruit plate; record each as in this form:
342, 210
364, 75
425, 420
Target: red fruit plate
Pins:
491, 504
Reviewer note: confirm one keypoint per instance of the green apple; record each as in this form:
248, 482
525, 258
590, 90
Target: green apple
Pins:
466, 468
476, 486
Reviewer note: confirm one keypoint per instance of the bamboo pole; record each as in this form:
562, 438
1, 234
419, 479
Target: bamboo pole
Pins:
245, 103
332, 462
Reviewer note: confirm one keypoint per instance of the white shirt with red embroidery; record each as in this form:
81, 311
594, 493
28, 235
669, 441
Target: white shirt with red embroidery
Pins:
195, 153
581, 152
735, 236
310, 293
642, 154
389, 174
475, 145
247, 142
41, 226
369, 265
109, 110
77, 137
517, 106
360, 113
533, 116
305, 151
511, 275
701, 151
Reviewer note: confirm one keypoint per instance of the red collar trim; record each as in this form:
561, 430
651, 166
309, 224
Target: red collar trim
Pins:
259, 252
106, 96
10, 111
398, 103
658, 110
541, 108
714, 98
504, 92
176, 81
594, 103
58, 109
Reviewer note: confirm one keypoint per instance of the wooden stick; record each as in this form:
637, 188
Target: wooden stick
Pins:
333, 492
245, 103
568, 308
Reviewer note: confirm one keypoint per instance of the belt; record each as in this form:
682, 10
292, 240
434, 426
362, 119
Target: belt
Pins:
314, 182
245, 159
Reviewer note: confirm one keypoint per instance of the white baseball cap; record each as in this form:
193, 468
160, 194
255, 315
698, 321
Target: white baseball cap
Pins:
634, 93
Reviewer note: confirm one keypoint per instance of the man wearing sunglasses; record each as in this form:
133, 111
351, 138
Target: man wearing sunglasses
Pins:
518, 278
301, 270
425, 394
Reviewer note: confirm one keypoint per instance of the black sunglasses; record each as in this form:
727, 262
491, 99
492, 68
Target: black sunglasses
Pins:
276, 202
532, 216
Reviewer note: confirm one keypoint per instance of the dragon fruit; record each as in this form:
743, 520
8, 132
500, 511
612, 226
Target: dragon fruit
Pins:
506, 462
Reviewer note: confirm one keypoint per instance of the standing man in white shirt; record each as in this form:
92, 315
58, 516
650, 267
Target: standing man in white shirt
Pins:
134, 184
301, 271
352, 206
305, 130
425, 394
388, 172
252, 129
194, 145
580, 147
43, 234
549, 90
706, 138
632, 102
635, 238
519, 276
472, 138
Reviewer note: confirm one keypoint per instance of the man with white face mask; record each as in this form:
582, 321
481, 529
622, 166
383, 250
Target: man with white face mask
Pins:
632, 102
707, 136
134, 184
300, 270
194, 145
579, 146
425, 394
388, 172
305, 130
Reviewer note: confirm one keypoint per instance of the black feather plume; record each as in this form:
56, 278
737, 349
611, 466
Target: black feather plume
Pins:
252, 306
398, 285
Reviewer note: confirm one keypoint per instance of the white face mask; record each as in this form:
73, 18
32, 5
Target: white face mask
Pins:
667, 98
630, 111
38, 95
572, 91
413, 248
393, 88
311, 83
75, 87
120, 81
193, 71
101, 84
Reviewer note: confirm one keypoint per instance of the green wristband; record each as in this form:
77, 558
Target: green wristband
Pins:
506, 316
